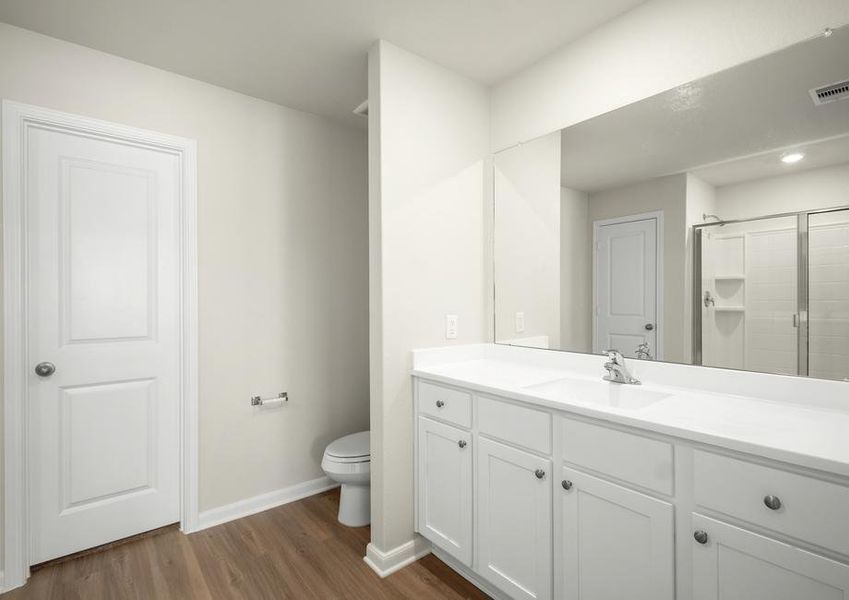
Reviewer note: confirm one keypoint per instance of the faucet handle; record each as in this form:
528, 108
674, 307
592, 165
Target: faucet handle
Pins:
614, 356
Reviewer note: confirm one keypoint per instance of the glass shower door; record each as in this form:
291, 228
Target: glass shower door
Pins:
749, 297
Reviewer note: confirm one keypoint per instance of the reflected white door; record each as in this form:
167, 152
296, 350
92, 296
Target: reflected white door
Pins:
626, 286
104, 308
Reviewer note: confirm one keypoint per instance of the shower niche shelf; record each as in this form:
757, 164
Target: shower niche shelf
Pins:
730, 277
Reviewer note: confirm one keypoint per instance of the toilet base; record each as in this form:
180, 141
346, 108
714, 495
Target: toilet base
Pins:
355, 505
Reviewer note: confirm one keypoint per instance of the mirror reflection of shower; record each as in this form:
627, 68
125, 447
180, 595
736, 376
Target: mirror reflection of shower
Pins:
774, 294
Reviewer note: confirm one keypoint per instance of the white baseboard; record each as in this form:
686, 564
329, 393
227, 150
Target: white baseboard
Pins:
250, 506
386, 563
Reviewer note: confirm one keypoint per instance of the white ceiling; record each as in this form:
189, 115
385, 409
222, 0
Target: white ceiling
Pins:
753, 112
311, 54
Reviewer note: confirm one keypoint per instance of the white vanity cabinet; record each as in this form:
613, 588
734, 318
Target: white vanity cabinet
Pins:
513, 515
730, 563
613, 539
445, 487
534, 502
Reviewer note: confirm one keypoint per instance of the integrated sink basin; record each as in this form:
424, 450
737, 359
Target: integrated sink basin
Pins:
601, 393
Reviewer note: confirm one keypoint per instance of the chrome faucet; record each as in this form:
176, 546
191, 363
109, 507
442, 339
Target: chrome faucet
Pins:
643, 352
616, 370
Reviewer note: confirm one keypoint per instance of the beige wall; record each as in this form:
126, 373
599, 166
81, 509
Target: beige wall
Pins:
805, 190
428, 137
576, 296
527, 241
667, 194
282, 234
655, 47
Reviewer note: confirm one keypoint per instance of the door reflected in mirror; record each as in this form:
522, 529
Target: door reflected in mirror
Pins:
705, 225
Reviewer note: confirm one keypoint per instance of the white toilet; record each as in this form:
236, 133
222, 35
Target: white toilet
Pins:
348, 461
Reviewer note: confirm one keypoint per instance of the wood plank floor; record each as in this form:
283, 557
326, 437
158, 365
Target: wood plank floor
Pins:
294, 551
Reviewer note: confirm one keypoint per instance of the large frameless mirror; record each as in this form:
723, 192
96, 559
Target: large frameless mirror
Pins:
706, 225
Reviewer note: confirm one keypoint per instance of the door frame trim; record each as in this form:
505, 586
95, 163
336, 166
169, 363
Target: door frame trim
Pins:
657, 216
17, 119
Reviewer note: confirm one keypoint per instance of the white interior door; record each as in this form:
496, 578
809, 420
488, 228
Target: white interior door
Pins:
104, 308
626, 284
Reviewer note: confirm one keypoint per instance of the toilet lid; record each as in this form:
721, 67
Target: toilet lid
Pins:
351, 446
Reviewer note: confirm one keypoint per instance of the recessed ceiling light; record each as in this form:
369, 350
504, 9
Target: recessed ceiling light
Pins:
792, 157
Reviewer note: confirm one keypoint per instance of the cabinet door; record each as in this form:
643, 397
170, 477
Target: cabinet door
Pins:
612, 539
445, 488
736, 564
514, 520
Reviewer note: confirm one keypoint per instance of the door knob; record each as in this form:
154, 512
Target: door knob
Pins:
649, 326
45, 369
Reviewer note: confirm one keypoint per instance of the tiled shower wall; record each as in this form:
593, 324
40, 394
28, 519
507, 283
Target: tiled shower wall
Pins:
828, 258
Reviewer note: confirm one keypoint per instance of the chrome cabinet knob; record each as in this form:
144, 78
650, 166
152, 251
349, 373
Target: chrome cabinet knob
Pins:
45, 369
462, 443
649, 326
567, 485
539, 473
772, 502
701, 536
440, 404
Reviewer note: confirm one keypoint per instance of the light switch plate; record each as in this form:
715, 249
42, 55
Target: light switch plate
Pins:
451, 327
520, 322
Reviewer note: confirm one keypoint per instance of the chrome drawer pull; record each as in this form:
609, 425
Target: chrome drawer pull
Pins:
567, 485
440, 404
539, 473
462, 443
772, 502
701, 536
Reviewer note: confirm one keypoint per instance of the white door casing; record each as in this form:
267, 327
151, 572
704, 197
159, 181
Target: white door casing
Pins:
99, 279
628, 284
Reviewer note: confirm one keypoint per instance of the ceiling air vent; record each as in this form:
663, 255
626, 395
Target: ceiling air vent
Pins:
831, 93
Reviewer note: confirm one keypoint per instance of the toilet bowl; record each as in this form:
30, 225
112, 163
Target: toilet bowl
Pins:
348, 461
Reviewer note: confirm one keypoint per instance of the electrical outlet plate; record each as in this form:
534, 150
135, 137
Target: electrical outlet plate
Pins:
451, 327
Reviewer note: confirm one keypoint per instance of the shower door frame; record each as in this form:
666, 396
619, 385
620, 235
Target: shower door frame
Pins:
802, 224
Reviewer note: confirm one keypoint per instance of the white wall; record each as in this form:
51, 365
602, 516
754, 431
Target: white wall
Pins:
428, 138
282, 234
667, 194
576, 295
527, 241
701, 200
804, 190
655, 47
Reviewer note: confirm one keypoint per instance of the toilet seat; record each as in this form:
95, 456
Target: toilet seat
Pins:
351, 448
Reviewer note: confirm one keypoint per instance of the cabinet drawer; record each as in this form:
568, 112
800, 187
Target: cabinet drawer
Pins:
626, 456
519, 425
445, 403
810, 509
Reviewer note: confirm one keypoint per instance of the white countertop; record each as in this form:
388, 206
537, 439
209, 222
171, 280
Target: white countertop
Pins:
811, 436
